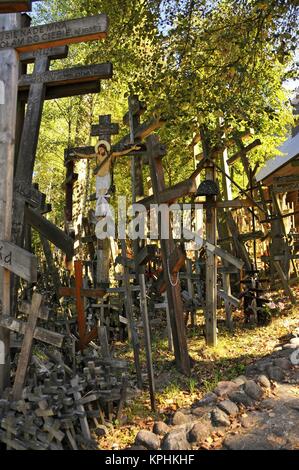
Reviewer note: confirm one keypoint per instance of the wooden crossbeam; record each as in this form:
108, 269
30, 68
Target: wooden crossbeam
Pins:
15, 6
65, 91
243, 151
52, 233
105, 129
53, 53
67, 76
40, 334
55, 34
79, 293
140, 133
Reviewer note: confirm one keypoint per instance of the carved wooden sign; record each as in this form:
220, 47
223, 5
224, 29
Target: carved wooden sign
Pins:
18, 261
286, 184
68, 76
59, 34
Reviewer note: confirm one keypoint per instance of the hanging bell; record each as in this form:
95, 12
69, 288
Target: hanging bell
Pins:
208, 188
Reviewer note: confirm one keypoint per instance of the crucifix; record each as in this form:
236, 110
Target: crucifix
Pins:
14, 39
104, 159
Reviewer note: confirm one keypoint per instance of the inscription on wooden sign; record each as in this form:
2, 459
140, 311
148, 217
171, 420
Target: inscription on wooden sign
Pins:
18, 261
67, 76
60, 33
286, 184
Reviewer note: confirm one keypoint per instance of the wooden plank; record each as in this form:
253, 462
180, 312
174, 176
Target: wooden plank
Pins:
145, 254
18, 261
93, 293
24, 307
81, 320
41, 334
216, 249
140, 133
170, 195
31, 194
50, 232
147, 339
229, 298
137, 108
53, 53
65, 91
25, 354
9, 77
55, 34
15, 6
243, 151
67, 76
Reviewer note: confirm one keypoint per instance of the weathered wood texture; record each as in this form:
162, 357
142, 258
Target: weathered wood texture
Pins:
55, 34
50, 232
167, 247
18, 261
67, 76
54, 53
9, 78
15, 6
25, 354
65, 91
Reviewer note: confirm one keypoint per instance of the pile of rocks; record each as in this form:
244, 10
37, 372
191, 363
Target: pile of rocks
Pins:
231, 408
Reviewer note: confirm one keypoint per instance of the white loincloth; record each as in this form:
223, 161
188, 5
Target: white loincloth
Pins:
103, 184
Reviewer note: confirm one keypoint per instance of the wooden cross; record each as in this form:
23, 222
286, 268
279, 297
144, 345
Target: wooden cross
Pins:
37, 83
55, 34
79, 293
105, 129
15, 39
155, 156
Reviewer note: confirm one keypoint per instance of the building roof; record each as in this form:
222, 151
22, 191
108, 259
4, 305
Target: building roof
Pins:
289, 149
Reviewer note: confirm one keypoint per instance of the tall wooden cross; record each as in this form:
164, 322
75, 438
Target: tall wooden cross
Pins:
155, 155
15, 39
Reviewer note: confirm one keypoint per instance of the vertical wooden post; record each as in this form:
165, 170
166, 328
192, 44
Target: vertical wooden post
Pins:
211, 271
211, 259
25, 355
223, 232
130, 317
167, 247
80, 303
9, 79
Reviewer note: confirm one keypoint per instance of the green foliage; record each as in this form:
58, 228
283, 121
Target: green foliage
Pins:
195, 62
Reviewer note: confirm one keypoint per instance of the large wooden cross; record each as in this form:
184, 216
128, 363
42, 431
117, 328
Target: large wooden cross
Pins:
79, 293
15, 39
155, 156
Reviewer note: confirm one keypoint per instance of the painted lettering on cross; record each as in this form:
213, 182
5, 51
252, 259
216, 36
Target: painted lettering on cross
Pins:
60, 33
18, 261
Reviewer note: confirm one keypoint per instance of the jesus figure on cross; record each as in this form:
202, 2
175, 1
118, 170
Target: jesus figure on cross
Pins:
102, 171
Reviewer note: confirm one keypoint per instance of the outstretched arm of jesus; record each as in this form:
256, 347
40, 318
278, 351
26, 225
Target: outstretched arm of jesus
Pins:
82, 155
